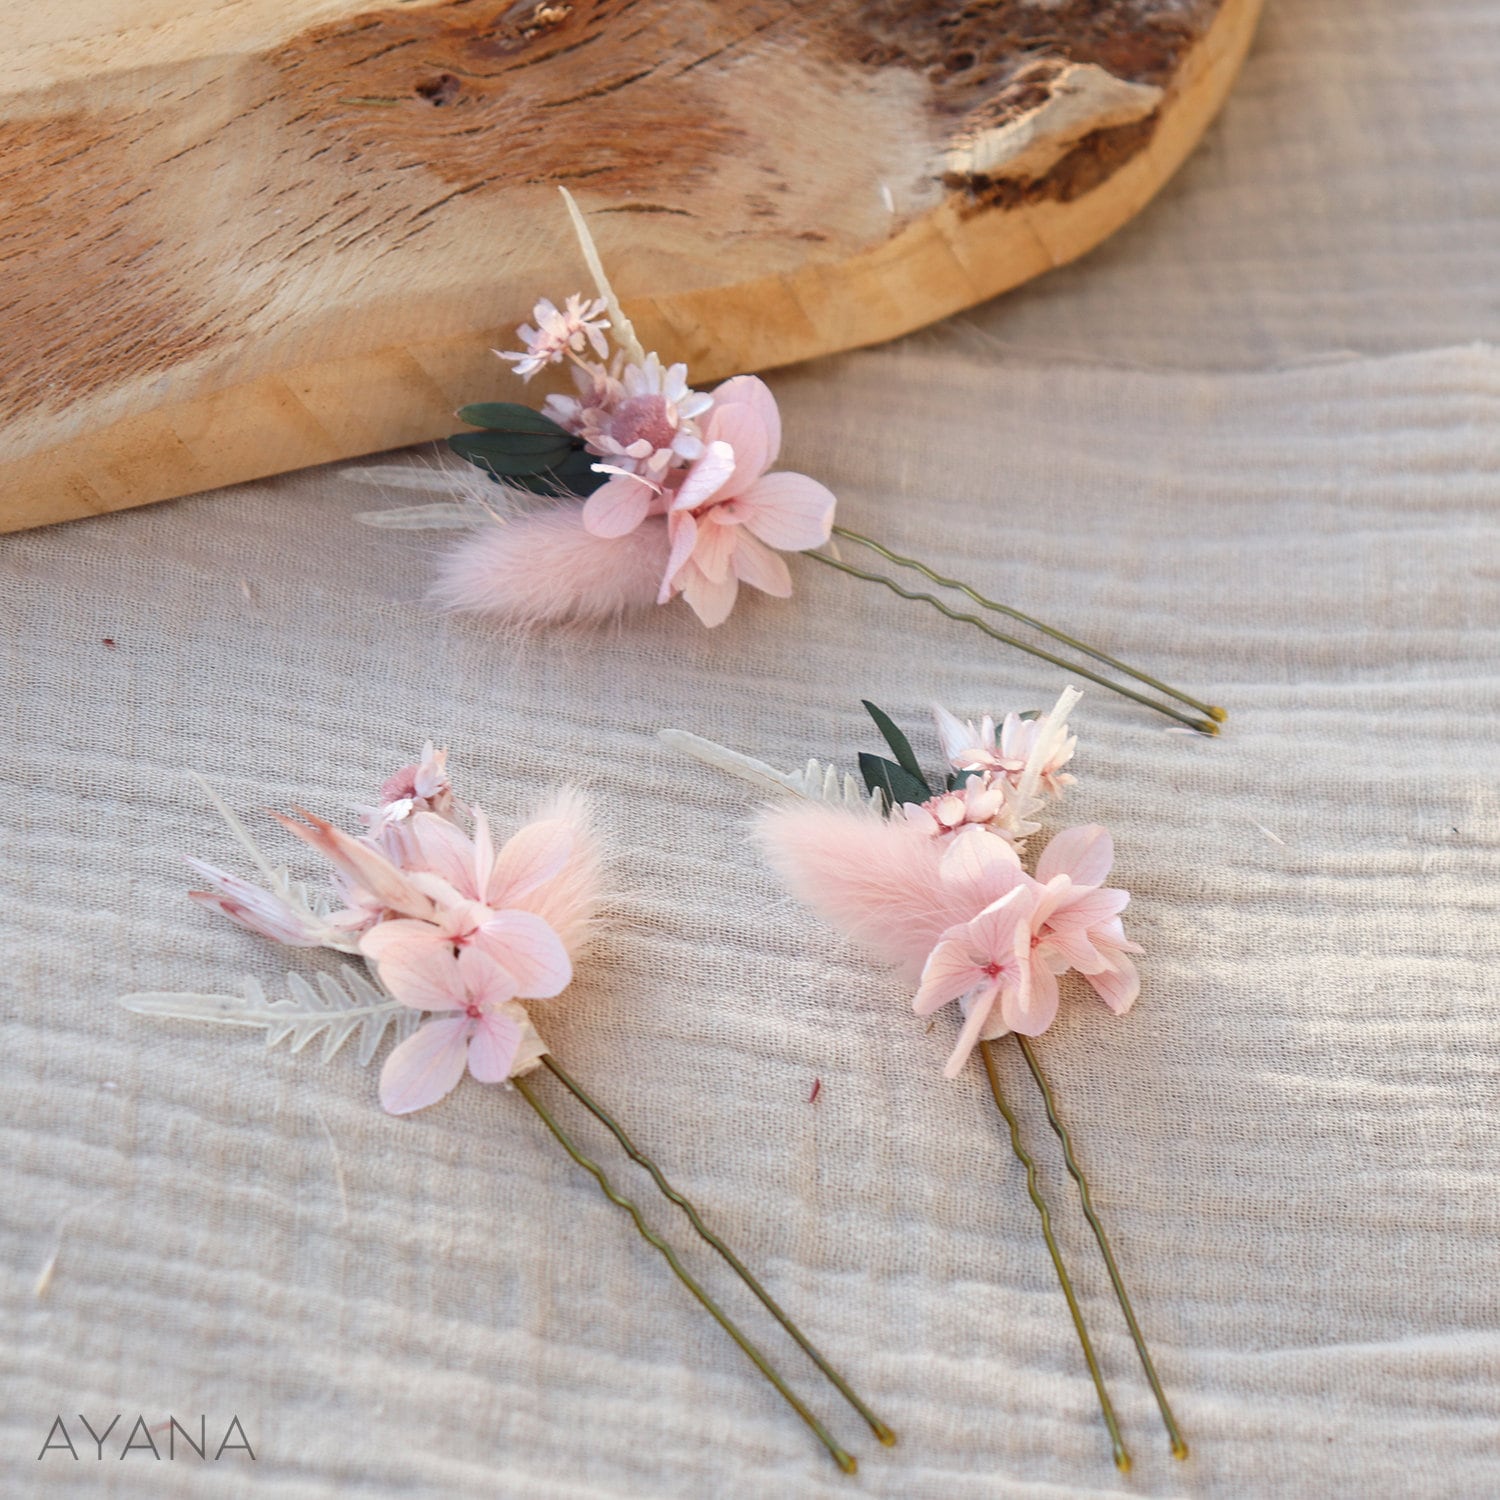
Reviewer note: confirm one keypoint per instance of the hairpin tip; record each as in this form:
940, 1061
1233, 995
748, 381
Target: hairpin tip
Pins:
1122, 1460
847, 1462
884, 1433
1217, 714
1179, 1448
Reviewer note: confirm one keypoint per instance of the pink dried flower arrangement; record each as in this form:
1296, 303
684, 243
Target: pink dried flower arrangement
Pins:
460, 934
639, 489
937, 878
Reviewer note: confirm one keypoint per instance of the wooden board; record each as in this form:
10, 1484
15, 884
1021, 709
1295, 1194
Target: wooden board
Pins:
241, 239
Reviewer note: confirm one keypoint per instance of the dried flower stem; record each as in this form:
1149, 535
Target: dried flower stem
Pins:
1203, 726
638, 1156
844, 1460
1179, 1444
1117, 1443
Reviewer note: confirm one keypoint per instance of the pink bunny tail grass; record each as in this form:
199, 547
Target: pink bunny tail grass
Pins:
570, 900
875, 880
541, 567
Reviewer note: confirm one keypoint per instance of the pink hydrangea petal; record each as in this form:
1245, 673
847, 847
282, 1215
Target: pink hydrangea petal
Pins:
1073, 950
617, 507
445, 850
493, 1047
415, 963
1083, 854
973, 1027
980, 867
534, 855
1119, 986
787, 511
1049, 898
1031, 1007
529, 951
742, 427
684, 533
1092, 906
426, 1067
996, 930
710, 601
485, 982
706, 478
760, 567
715, 548
949, 973
753, 392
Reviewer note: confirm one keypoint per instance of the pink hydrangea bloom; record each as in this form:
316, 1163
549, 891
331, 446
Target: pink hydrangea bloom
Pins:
730, 517
479, 1027
1068, 919
985, 965
1077, 921
474, 890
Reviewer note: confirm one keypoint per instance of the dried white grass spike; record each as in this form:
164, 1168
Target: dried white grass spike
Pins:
815, 782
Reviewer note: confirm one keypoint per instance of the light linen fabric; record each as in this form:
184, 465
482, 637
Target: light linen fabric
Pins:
1295, 1137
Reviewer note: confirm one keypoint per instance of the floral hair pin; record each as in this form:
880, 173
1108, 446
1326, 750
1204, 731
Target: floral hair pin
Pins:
457, 937
938, 878
638, 490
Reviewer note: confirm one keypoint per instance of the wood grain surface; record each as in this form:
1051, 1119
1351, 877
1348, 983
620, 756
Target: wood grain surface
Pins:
249, 237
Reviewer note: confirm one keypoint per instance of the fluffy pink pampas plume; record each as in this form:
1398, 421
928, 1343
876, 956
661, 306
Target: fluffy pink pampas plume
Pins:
541, 567
876, 880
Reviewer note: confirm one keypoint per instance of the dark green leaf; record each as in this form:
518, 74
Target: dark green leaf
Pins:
575, 476
499, 454
900, 745
1031, 713
895, 783
957, 779
510, 416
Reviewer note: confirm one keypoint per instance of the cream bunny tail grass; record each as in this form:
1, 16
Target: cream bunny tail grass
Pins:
541, 567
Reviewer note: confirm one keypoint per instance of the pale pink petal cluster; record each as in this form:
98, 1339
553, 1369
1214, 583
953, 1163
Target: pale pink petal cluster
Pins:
1004, 749
559, 333
697, 465
942, 890
450, 923
731, 517
728, 517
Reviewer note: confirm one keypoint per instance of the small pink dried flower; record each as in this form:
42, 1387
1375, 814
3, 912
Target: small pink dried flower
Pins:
1004, 749
559, 333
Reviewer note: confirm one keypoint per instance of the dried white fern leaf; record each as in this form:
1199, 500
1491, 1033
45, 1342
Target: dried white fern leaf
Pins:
815, 781
338, 1007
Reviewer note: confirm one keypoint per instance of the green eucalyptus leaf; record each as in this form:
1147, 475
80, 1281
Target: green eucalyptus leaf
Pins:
900, 745
894, 783
512, 417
